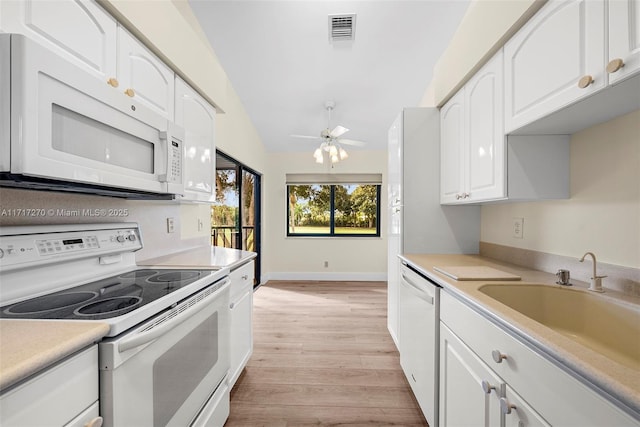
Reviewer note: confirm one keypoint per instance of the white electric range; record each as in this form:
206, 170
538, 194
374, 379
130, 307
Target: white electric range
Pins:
166, 356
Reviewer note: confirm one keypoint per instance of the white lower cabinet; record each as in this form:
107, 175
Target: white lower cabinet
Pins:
529, 389
241, 307
65, 394
463, 401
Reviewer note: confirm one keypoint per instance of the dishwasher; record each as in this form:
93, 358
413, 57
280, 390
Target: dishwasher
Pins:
418, 337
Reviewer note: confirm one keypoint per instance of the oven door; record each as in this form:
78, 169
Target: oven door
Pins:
163, 372
68, 126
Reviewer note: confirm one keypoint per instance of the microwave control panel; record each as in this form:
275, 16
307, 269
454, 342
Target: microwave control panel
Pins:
174, 171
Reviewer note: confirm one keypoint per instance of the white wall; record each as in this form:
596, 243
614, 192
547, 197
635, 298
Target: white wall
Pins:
303, 257
603, 213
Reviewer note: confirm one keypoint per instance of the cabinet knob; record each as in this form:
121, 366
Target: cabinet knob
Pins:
130, 92
585, 81
466, 195
614, 65
113, 82
497, 356
96, 422
458, 196
487, 387
396, 210
505, 406
245, 277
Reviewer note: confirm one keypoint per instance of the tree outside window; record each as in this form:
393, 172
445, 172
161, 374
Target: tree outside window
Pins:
333, 210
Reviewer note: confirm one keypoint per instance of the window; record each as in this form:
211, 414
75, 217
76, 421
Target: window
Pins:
333, 209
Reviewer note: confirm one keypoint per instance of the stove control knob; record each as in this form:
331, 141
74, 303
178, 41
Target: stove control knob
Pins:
120, 238
131, 237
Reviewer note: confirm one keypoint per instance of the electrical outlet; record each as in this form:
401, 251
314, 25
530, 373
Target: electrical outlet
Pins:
518, 228
170, 225
326, 264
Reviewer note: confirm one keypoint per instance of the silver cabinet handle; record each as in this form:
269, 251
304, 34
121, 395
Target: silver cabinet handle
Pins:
497, 356
95, 422
487, 387
505, 406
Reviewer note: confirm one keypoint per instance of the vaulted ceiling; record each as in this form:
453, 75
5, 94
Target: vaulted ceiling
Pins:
281, 62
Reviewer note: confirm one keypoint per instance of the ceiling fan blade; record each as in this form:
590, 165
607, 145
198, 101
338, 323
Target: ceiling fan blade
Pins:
337, 131
305, 136
352, 142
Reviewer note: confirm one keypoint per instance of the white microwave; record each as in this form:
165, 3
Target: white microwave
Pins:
63, 129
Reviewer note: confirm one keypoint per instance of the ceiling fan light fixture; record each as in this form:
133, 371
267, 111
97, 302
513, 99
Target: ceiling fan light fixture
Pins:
342, 153
333, 151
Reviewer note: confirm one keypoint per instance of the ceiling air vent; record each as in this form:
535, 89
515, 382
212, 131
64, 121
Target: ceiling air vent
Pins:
342, 27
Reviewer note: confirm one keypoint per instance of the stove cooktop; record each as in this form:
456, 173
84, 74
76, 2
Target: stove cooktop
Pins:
106, 298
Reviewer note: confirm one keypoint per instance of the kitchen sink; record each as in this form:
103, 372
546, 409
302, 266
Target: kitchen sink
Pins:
605, 326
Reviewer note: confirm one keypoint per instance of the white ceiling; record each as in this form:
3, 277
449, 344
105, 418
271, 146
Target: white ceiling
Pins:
279, 60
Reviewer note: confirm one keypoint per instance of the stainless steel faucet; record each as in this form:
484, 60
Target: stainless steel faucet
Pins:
596, 281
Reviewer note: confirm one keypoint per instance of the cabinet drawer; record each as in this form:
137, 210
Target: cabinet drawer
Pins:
242, 280
55, 396
541, 382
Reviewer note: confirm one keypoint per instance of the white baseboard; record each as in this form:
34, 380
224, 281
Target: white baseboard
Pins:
336, 277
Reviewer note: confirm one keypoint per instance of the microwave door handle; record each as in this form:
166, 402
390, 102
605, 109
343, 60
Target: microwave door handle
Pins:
146, 337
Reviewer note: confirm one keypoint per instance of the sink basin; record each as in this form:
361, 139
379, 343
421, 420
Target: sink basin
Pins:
603, 325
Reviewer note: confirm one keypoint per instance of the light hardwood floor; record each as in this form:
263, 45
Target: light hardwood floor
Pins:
322, 356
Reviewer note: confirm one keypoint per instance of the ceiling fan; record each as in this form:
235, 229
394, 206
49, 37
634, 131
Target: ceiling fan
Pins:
331, 141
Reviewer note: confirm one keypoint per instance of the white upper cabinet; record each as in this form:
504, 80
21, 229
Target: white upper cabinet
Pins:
472, 139
485, 132
624, 39
197, 117
557, 58
142, 76
451, 149
79, 31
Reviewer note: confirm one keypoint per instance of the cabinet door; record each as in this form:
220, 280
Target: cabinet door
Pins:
463, 400
485, 144
545, 61
518, 413
624, 38
79, 31
452, 175
197, 117
143, 76
241, 317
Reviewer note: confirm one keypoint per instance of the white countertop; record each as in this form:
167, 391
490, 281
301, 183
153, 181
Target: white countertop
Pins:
619, 381
28, 346
202, 257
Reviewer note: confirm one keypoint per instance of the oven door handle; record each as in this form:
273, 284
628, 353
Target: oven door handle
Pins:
146, 337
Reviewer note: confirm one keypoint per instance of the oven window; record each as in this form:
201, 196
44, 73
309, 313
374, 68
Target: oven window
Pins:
181, 368
82, 136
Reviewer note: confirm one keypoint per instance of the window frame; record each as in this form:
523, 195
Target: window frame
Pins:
332, 210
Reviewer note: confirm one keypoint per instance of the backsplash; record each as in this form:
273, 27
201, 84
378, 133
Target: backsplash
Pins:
29, 207
621, 279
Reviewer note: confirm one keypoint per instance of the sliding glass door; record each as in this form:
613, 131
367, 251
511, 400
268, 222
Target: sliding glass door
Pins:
235, 215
